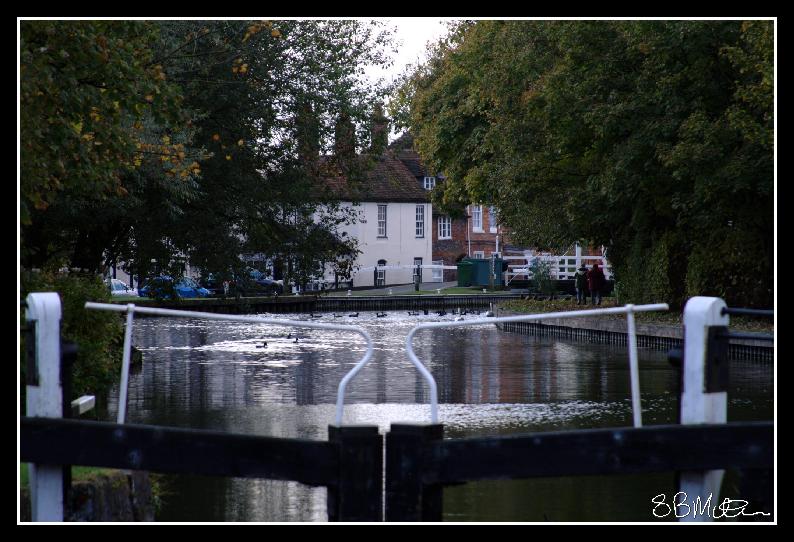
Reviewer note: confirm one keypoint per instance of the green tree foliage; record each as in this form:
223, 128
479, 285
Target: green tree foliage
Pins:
157, 143
652, 138
208, 119
84, 88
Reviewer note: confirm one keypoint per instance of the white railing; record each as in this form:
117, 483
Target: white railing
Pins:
131, 309
628, 310
558, 270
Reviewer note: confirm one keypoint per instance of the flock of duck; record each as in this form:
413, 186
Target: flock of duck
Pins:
460, 313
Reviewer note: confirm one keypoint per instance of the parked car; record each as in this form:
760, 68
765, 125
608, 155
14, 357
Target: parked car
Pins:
254, 283
119, 288
214, 284
270, 286
164, 286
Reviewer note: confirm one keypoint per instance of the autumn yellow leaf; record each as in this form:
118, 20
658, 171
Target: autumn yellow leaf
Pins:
240, 142
216, 137
228, 156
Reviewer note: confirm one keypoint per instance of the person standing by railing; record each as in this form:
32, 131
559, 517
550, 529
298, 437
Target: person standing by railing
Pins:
580, 278
595, 282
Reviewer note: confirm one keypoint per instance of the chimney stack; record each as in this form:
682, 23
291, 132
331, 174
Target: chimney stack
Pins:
379, 130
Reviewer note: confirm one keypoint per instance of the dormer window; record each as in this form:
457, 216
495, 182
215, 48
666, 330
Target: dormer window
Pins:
430, 183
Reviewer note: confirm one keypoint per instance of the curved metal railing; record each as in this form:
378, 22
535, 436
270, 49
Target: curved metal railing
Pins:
628, 310
131, 309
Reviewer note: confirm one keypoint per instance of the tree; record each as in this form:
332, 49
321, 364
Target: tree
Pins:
212, 159
652, 138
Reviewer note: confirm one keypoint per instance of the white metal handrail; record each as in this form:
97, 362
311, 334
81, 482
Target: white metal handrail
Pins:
628, 310
131, 309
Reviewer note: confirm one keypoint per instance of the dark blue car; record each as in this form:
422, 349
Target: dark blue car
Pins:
163, 286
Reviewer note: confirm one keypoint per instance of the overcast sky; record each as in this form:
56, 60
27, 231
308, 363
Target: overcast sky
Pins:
411, 38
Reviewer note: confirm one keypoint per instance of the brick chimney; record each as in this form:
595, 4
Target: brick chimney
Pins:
379, 130
308, 135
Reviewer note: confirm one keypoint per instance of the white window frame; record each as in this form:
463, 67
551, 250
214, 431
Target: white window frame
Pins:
476, 218
478, 254
382, 231
381, 276
444, 227
492, 219
430, 183
420, 221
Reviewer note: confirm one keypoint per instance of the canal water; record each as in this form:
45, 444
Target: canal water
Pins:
218, 375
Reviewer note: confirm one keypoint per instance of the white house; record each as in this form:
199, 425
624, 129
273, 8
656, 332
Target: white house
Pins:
394, 229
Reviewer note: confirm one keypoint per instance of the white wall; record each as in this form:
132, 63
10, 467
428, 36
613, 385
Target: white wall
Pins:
398, 248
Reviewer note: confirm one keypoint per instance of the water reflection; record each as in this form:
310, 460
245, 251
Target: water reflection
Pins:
221, 376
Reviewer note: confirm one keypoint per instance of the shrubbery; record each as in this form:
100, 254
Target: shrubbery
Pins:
98, 334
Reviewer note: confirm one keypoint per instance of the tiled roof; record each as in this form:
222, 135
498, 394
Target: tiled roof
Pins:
411, 160
385, 178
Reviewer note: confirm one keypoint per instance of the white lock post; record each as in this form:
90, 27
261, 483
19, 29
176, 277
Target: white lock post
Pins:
698, 405
44, 400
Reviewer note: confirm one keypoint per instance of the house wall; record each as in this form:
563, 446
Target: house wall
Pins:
465, 237
398, 248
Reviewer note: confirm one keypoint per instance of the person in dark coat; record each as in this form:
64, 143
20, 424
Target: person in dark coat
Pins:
580, 282
595, 282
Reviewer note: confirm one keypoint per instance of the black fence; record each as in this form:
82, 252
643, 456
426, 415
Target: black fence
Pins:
419, 461
349, 463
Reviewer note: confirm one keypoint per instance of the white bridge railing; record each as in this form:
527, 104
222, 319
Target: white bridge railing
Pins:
628, 310
131, 309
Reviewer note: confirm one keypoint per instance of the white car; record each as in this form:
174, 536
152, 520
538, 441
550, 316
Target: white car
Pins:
119, 288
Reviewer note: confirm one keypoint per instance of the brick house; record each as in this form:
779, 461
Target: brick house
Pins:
478, 235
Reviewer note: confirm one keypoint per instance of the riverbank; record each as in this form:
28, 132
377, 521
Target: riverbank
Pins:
662, 320
102, 495
324, 304
659, 330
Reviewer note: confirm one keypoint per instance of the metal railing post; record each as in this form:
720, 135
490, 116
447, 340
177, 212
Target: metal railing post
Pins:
44, 399
125, 365
634, 369
702, 400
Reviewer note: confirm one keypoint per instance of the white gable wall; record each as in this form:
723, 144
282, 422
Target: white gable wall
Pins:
398, 248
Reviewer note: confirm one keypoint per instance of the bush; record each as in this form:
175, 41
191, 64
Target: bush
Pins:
99, 335
540, 271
